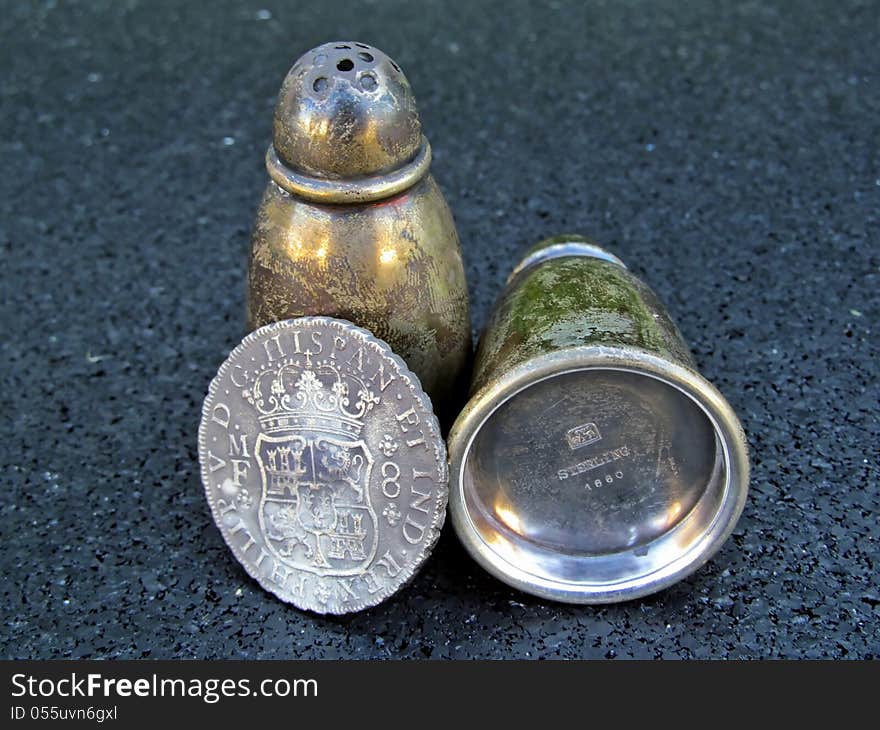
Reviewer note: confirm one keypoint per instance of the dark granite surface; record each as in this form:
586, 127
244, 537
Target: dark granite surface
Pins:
727, 151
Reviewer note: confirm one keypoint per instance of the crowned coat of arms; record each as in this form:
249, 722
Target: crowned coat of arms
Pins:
315, 508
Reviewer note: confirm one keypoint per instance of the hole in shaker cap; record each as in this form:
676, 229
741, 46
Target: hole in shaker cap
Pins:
346, 64
344, 47
368, 82
319, 84
368, 57
361, 45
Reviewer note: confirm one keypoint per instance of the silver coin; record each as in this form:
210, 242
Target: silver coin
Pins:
323, 464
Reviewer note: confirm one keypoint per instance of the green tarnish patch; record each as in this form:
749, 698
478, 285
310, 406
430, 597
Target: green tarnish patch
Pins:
569, 302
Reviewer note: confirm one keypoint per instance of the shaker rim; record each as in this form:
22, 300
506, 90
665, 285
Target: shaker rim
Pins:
576, 246
631, 582
348, 191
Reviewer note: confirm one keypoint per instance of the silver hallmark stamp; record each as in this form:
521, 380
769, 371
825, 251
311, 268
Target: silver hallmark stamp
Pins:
323, 464
583, 435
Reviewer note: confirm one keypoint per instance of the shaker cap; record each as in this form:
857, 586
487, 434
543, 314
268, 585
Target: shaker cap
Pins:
346, 111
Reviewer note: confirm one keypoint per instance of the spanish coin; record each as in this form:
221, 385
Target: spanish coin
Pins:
323, 464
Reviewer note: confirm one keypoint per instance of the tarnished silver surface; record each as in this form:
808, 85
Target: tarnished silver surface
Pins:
353, 225
593, 463
323, 464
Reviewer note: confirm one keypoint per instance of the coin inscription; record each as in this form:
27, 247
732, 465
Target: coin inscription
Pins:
323, 464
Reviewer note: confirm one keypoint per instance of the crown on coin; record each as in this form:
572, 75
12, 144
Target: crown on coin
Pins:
291, 398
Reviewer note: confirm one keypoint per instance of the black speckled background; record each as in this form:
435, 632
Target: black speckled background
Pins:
729, 152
